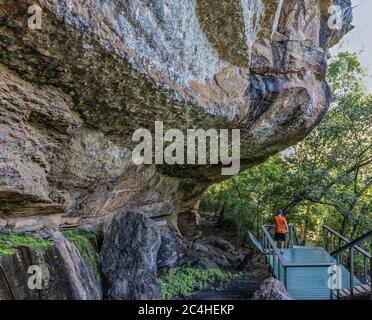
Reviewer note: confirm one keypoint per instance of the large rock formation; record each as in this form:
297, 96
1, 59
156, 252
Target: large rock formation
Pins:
129, 256
73, 92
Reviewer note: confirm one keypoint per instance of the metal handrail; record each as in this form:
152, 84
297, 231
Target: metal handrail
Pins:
269, 243
281, 262
255, 241
295, 237
270, 248
292, 238
345, 239
280, 256
353, 244
273, 245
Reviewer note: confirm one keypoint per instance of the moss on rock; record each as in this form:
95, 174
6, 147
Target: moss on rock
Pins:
85, 242
9, 242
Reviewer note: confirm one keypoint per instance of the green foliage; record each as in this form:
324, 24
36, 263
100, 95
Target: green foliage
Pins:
186, 280
252, 197
9, 242
84, 242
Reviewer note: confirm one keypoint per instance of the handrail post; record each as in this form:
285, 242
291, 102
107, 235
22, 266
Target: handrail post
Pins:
352, 272
285, 277
274, 264
292, 235
365, 268
338, 285
324, 238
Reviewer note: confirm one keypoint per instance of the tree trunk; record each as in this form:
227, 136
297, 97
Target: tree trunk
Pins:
344, 225
221, 217
306, 227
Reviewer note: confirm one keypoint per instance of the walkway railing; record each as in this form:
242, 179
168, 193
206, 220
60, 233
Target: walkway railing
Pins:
291, 239
351, 247
278, 262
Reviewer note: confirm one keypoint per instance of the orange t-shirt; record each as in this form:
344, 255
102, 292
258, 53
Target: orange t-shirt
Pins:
280, 223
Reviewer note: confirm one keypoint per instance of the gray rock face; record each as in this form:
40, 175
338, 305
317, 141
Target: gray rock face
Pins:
129, 255
73, 92
271, 289
65, 274
170, 251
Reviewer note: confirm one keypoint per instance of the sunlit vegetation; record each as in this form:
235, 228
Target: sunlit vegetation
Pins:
9, 242
185, 280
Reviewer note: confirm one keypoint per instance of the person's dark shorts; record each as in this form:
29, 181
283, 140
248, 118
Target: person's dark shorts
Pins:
280, 237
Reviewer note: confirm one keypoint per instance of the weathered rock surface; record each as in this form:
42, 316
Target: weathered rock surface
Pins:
129, 255
171, 250
271, 289
65, 274
73, 92
210, 245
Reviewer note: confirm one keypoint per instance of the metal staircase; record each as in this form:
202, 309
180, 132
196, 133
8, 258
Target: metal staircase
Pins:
346, 253
317, 273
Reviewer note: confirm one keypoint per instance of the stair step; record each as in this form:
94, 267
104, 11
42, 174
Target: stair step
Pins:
362, 291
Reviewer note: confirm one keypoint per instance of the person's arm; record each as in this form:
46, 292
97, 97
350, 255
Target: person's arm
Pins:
286, 225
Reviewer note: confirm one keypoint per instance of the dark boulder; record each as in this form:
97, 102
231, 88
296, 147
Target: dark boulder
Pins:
129, 255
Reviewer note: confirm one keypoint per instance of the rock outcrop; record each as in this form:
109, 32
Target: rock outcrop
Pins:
271, 289
75, 88
55, 271
73, 92
171, 250
129, 255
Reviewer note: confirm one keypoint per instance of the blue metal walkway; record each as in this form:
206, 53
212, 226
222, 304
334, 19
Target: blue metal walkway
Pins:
313, 273
309, 283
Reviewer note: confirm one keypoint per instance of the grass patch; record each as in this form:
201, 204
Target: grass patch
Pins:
84, 242
9, 242
186, 280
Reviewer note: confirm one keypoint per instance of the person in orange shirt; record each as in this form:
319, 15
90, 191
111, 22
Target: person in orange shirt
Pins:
281, 228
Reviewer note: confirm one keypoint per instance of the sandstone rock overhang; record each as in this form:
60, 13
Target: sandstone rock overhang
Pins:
73, 92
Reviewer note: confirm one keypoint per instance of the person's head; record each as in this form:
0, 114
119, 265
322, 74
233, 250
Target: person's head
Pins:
279, 212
